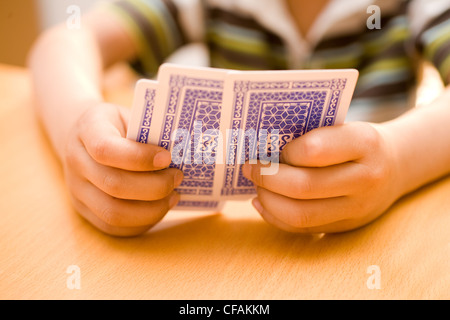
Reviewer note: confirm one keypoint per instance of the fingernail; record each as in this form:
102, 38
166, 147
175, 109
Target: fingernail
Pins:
177, 179
247, 170
162, 159
257, 205
174, 200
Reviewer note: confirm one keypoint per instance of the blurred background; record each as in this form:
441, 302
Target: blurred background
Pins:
21, 21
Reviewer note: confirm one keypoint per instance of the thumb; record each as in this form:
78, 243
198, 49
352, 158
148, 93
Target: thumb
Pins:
103, 134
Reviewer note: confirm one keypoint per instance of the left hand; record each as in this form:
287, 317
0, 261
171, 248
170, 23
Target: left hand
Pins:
332, 179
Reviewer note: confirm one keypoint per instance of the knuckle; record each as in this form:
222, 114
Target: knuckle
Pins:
162, 186
361, 208
100, 150
112, 184
301, 219
378, 173
371, 137
141, 158
167, 187
312, 147
373, 176
109, 215
303, 187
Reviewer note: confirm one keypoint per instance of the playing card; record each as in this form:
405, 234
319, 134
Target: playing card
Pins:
142, 110
268, 109
188, 124
139, 130
214, 120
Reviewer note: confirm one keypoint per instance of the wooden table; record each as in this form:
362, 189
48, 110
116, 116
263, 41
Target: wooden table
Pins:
45, 245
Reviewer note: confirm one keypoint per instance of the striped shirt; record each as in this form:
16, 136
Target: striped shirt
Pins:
262, 35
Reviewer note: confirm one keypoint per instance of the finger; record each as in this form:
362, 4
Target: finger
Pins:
310, 183
144, 186
122, 184
339, 226
117, 213
327, 146
103, 137
304, 213
87, 214
131, 185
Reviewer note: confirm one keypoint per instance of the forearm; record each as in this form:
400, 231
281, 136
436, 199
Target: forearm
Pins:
67, 69
421, 143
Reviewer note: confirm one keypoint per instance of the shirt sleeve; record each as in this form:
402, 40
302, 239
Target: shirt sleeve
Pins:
433, 35
156, 27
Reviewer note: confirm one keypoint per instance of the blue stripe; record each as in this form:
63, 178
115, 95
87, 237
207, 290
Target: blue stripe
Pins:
434, 33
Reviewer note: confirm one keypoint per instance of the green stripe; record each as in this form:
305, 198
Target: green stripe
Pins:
434, 32
219, 61
237, 42
153, 19
383, 77
144, 50
167, 21
390, 64
239, 47
444, 70
346, 61
393, 35
430, 50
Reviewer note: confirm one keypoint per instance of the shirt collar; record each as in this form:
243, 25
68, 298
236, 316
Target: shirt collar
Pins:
338, 17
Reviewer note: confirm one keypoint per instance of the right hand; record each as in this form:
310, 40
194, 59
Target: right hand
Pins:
120, 186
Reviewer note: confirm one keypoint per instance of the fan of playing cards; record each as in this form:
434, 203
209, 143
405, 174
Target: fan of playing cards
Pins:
214, 120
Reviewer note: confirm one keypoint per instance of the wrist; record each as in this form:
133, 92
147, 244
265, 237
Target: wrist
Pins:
420, 141
395, 158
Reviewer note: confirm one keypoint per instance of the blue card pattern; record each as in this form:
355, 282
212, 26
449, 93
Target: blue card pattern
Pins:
146, 121
201, 104
198, 204
291, 107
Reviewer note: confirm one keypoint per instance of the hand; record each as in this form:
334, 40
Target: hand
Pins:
118, 185
332, 179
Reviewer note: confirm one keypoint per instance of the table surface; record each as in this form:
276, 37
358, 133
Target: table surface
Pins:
229, 255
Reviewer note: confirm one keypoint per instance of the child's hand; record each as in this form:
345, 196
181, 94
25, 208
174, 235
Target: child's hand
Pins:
330, 180
115, 183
